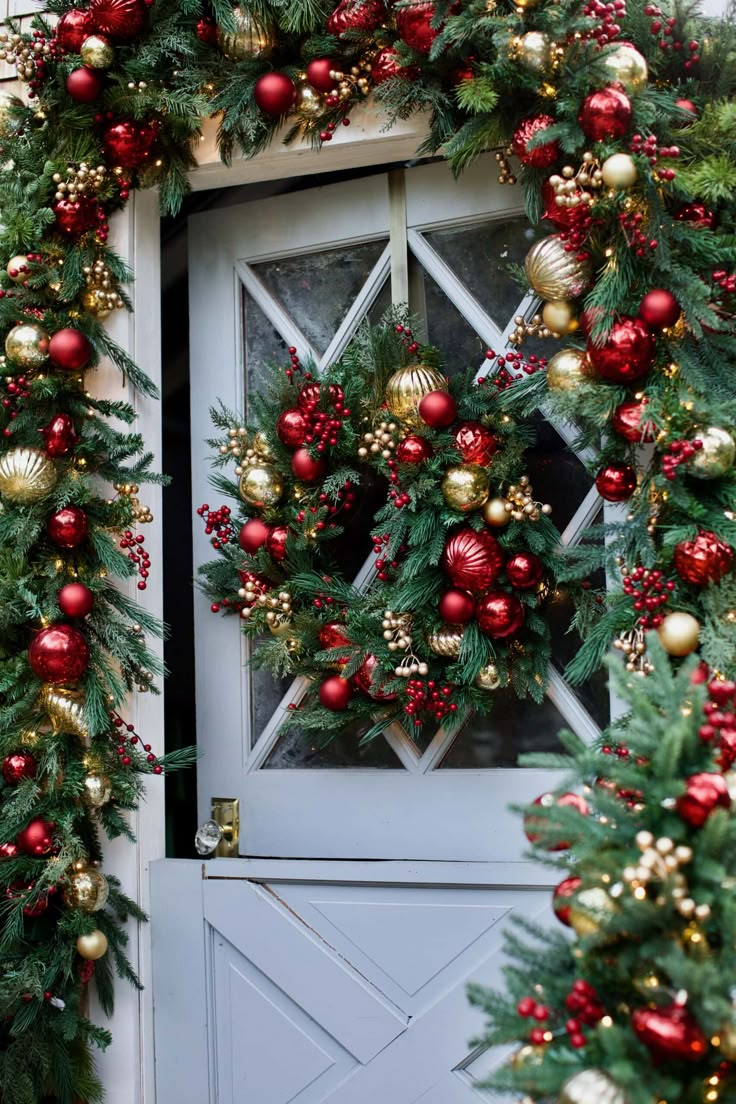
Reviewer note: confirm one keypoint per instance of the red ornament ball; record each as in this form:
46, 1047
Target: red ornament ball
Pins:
499, 614
659, 309
605, 114
75, 600
533, 824
276, 543
561, 217
72, 29
689, 106
414, 24
253, 535
59, 436
386, 64
68, 527
122, 19
475, 443
540, 156
438, 409
19, 766
629, 422
291, 428
704, 793
83, 85
706, 559
335, 693
524, 570
365, 679
332, 635
309, 397
275, 93
128, 144
616, 482
698, 214
37, 838
414, 450
472, 560
561, 898
318, 74
305, 468
59, 654
366, 15
76, 216
670, 1032
456, 607
627, 353
9, 850
69, 349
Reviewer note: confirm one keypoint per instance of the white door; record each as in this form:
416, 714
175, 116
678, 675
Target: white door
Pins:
374, 883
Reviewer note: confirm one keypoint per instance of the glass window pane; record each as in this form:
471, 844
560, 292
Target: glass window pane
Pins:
444, 325
513, 727
300, 749
262, 344
557, 476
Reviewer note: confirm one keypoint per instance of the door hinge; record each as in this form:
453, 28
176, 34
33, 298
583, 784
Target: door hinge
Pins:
226, 813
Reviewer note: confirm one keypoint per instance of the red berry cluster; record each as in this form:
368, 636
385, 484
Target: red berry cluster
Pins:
86, 971
218, 522
648, 148
126, 734
295, 364
408, 338
609, 16
578, 228
323, 426
720, 723
320, 525
137, 555
724, 280
666, 31
636, 239
15, 390
531, 1009
650, 592
21, 890
678, 452
399, 498
511, 361
345, 498
429, 697
587, 1010
383, 564
631, 797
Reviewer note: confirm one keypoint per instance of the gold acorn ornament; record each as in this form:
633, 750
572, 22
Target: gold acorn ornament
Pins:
92, 945
65, 710
407, 387
533, 50
26, 475
86, 889
446, 641
625, 65
27, 346
567, 370
555, 274
261, 485
593, 1086
252, 38
465, 487
559, 317
97, 790
679, 633
487, 678
717, 455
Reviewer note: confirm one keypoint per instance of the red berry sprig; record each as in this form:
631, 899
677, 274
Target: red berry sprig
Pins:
648, 147
127, 735
508, 362
15, 389
650, 591
219, 523
137, 555
609, 16
636, 239
429, 697
665, 30
407, 337
720, 720
678, 452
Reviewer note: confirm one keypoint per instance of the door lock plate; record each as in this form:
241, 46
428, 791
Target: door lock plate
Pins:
226, 813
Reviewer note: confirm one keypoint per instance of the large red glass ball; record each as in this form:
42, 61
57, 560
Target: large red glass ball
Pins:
670, 1032
627, 354
472, 560
698, 214
414, 450
629, 421
541, 156
37, 838
291, 428
59, 436
562, 896
75, 600
659, 309
705, 792
335, 693
475, 443
524, 570
414, 24
122, 19
75, 216
253, 535
533, 824
83, 85
605, 114
305, 468
59, 654
616, 482
276, 543
69, 349
19, 766
499, 614
72, 29
68, 527
438, 409
365, 679
366, 16
456, 607
275, 93
129, 144
318, 74
703, 560
386, 64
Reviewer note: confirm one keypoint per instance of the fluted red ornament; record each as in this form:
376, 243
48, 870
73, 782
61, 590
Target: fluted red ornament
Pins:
37, 838
253, 535
438, 409
276, 543
83, 85
68, 527
540, 156
363, 15
59, 435
659, 309
19, 766
335, 693
533, 824
561, 898
274, 93
627, 354
75, 600
414, 24
291, 428
499, 614
305, 468
670, 1032
524, 570
76, 216
475, 443
706, 559
456, 607
386, 64
128, 144
69, 349
123, 19
59, 654
704, 793
472, 560
414, 450
318, 74
630, 422
72, 29
616, 482
697, 214
368, 679
9, 850
605, 114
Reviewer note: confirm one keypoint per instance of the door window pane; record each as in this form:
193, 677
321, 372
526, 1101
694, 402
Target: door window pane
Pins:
302, 749
262, 346
444, 325
514, 726
556, 474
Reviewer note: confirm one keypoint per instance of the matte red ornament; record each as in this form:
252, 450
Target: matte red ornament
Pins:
83, 85
364, 679
616, 482
499, 614
276, 543
456, 607
698, 214
659, 309
473, 561
561, 898
706, 559
72, 29
291, 428
475, 443
9, 850
689, 106
438, 409
305, 468
75, 600
69, 349
629, 421
540, 156
59, 435
76, 216
414, 24
128, 144
59, 654
19, 766
122, 19
253, 535
705, 792
605, 114
335, 693
207, 31
275, 93
332, 635
365, 15
386, 64
318, 74
627, 354
670, 1032
414, 450
68, 527
524, 570
533, 824
37, 838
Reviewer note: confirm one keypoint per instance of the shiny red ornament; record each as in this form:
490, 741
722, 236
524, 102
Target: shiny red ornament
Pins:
335, 693
605, 114
253, 535
59, 436
19, 766
207, 31
524, 570
499, 614
533, 824
706, 559
670, 1032
697, 214
438, 409
59, 654
616, 482
475, 443
364, 679
659, 309
414, 450
76, 216
540, 156
69, 349
363, 15
122, 19
8, 851
128, 144
276, 543
561, 898
318, 74
291, 428
629, 421
275, 93
72, 29
309, 397
456, 607
704, 793
414, 24
472, 560
561, 217
83, 85
75, 600
305, 468
37, 838
386, 64
68, 527
689, 106
332, 635
627, 354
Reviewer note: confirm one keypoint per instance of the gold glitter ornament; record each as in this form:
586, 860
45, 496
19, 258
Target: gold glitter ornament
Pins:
446, 641
589, 910
26, 475
97, 790
567, 370
717, 455
527, 1055
261, 485
27, 345
87, 890
97, 52
627, 66
252, 38
593, 1086
487, 678
495, 513
65, 710
555, 274
92, 946
465, 487
407, 387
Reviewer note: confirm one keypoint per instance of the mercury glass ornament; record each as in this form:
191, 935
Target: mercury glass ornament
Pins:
97, 790
534, 51
251, 38
567, 370
589, 909
309, 102
87, 890
555, 274
487, 678
27, 345
261, 485
465, 487
97, 52
407, 387
26, 475
446, 641
593, 1086
625, 65
716, 456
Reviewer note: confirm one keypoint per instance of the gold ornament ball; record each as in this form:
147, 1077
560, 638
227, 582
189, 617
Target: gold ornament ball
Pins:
97, 52
97, 790
559, 317
308, 101
679, 633
487, 678
261, 486
555, 274
588, 910
593, 1086
495, 513
260, 444
619, 171
407, 387
87, 890
526, 1056
446, 641
717, 455
14, 265
465, 487
96, 302
627, 66
65, 710
251, 38
26, 475
533, 50
27, 345
567, 370
93, 945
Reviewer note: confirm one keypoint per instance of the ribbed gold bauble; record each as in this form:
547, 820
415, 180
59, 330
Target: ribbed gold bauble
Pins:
97, 52
567, 370
555, 274
717, 455
465, 487
26, 475
533, 50
250, 39
495, 513
93, 945
87, 890
446, 641
308, 101
588, 910
407, 387
679, 633
27, 345
487, 678
261, 485
65, 710
627, 66
593, 1086
559, 317
97, 790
